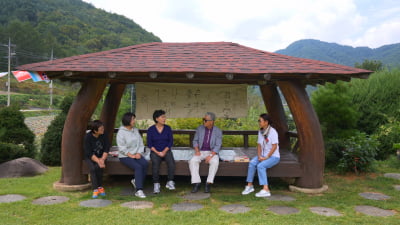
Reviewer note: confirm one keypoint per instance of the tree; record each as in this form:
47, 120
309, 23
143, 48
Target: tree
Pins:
336, 113
376, 99
373, 65
51, 142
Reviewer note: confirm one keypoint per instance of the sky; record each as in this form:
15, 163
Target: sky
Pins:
267, 25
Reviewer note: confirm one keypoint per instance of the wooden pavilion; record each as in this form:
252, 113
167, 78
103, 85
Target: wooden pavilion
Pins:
209, 62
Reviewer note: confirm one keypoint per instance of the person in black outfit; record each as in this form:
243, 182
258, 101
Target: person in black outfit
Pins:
96, 150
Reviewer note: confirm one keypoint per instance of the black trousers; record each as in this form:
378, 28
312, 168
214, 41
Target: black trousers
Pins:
96, 173
156, 162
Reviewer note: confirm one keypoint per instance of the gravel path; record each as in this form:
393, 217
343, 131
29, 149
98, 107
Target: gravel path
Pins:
38, 125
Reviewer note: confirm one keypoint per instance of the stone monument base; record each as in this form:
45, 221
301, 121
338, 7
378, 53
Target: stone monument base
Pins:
65, 187
308, 190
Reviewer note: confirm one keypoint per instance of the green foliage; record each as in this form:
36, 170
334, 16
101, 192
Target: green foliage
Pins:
37, 88
336, 113
65, 27
393, 162
13, 130
373, 65
387, 135
376, 99
359, 153
50, 153
66, 103
29, 100
10, 151
333, 151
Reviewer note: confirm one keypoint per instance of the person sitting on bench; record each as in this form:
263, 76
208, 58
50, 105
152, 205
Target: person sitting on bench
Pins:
95, 153
267, 156
131, 152
207, 142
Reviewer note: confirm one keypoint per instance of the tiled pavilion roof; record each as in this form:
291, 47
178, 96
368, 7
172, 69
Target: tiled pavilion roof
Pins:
207, 60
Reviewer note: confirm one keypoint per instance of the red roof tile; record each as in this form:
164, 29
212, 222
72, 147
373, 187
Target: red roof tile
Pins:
204, 57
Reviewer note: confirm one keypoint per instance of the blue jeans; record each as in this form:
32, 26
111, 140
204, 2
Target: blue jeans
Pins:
261, 169
140, 168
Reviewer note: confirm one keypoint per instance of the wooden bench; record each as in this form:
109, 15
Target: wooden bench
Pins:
289, 165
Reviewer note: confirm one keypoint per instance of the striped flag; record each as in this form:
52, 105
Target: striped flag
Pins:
21, 75
2, 74
38, 76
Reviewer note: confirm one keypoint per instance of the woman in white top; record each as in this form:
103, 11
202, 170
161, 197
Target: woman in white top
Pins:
267, 156
131, 150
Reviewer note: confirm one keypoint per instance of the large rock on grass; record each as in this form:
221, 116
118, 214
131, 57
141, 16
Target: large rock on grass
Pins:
22, 167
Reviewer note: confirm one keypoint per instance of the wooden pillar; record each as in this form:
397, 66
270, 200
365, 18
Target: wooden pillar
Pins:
110, 108
275, 109
311, 143
74, 130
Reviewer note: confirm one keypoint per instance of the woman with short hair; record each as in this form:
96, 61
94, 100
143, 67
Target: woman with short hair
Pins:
160, 141
131, 152
96, 148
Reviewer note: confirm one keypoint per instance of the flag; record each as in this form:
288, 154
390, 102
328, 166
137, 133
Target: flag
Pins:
38, 76
21, 75
45, 77
2, 74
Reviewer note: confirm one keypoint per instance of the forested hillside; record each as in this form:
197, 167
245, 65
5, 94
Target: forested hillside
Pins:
66, 27
389, 55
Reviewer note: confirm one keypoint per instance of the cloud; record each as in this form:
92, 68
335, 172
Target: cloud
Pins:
377, 36
266, 25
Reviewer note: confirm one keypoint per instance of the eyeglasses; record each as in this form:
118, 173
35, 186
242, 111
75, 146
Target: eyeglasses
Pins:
205, 121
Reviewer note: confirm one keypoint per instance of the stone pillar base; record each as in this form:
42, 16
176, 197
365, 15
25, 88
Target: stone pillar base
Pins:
65, 187
308, 190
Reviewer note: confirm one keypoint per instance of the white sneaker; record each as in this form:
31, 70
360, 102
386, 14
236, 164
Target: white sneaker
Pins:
170, 185
247, 190
140, 194
133, 183
263, 193
156, 188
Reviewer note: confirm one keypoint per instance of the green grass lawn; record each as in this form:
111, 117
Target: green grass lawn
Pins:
341, 196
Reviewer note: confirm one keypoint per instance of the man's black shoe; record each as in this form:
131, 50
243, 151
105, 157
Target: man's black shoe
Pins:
196, 187
208, 188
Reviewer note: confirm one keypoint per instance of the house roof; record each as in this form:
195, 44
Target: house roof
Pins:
206, 60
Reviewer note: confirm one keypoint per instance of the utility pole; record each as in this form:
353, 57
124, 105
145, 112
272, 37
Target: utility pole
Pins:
131, 97
9, 72
51, 84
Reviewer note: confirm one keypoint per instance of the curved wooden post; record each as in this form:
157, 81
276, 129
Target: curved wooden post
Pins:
311, 143
110, 108
74, 130
275, 109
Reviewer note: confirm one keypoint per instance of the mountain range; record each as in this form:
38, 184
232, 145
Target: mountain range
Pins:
389, 55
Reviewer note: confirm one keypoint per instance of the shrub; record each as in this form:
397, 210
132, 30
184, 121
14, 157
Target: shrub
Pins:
376, 99
50, 153
359, 153
334, 151
336, 113
387, 135
15, 131
10, 151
